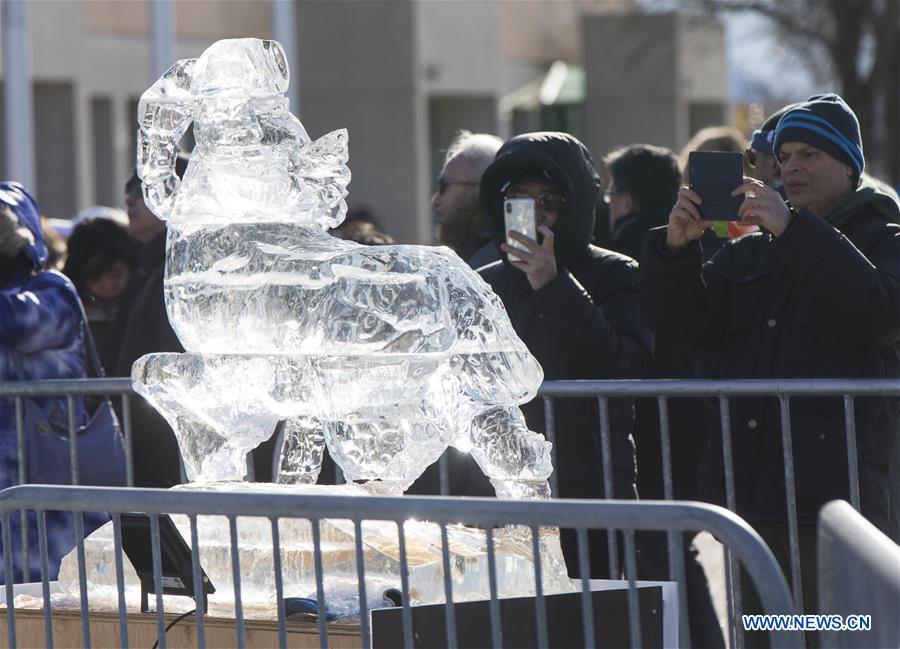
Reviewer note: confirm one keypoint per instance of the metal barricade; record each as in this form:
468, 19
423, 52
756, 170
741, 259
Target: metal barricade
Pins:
487, 514
859, 574
661, 390
782, 389
19, 390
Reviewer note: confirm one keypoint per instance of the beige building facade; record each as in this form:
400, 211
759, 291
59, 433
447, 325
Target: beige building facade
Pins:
401, 75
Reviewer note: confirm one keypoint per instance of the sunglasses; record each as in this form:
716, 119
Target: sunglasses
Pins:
444, 184
546, 202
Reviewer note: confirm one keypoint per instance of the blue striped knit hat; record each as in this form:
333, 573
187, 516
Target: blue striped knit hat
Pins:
827, 123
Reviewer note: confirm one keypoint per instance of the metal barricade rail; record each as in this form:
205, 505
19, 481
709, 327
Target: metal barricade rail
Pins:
662, 390
486, 513
783, 390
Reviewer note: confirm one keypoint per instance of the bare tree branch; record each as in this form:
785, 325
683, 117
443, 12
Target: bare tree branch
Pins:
804, 19
847, 33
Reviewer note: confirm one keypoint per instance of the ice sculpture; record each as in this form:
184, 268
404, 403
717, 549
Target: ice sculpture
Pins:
387, 355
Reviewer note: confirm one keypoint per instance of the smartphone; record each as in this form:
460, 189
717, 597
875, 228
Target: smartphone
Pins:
714, 175
519, 216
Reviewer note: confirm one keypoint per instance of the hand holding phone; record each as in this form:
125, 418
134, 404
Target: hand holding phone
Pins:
763, 206
518, 214
714, 175
685, 224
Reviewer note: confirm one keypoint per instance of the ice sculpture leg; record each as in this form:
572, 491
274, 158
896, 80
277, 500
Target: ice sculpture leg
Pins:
216, 419
389, 446
300, 460
515, 459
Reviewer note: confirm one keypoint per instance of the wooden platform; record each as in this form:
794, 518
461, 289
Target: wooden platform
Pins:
142, 631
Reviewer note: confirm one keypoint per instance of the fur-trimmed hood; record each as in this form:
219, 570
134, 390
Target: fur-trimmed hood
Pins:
25, 233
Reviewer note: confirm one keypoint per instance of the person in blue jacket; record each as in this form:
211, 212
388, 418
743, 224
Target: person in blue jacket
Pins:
41, 337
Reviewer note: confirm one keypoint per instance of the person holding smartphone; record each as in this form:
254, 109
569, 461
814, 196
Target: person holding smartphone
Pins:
574, 305
814, 294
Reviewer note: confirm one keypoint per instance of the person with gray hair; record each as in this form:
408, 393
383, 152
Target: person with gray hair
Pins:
460, 223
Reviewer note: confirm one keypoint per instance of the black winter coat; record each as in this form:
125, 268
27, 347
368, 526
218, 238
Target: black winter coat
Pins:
628, 232
584, 324
671, 360
820, 301
144, 328
144, 322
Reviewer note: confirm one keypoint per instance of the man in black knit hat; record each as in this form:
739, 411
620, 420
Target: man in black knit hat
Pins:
814, 294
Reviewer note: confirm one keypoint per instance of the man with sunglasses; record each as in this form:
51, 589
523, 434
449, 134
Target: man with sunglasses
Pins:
574, 305
459, 222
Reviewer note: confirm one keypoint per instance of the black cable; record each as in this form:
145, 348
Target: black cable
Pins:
173, 623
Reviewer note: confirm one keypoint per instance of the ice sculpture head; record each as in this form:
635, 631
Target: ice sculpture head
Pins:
242, 65
253, 161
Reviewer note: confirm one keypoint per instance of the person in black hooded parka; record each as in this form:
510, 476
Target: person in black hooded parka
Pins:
815, 294
574, 305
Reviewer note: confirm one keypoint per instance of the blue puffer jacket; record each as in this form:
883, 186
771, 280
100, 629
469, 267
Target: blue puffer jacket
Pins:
41, 337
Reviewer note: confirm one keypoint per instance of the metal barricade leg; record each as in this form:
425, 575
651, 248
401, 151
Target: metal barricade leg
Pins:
608, 483
634, 620
279, 584
496, 630
320, 582
8, 566
449, 608
157, 581
539, 604
852, 459
199, 586
677, 572
791, 496
82, 579
22, 450
404, 588
732, 569
550, 432
236, 576
584, 569
361, 580
45, 576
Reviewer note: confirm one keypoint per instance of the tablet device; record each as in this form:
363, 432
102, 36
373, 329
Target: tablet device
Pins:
714, 175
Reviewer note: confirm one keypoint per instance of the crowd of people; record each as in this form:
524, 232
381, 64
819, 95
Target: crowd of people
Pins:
805, 284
